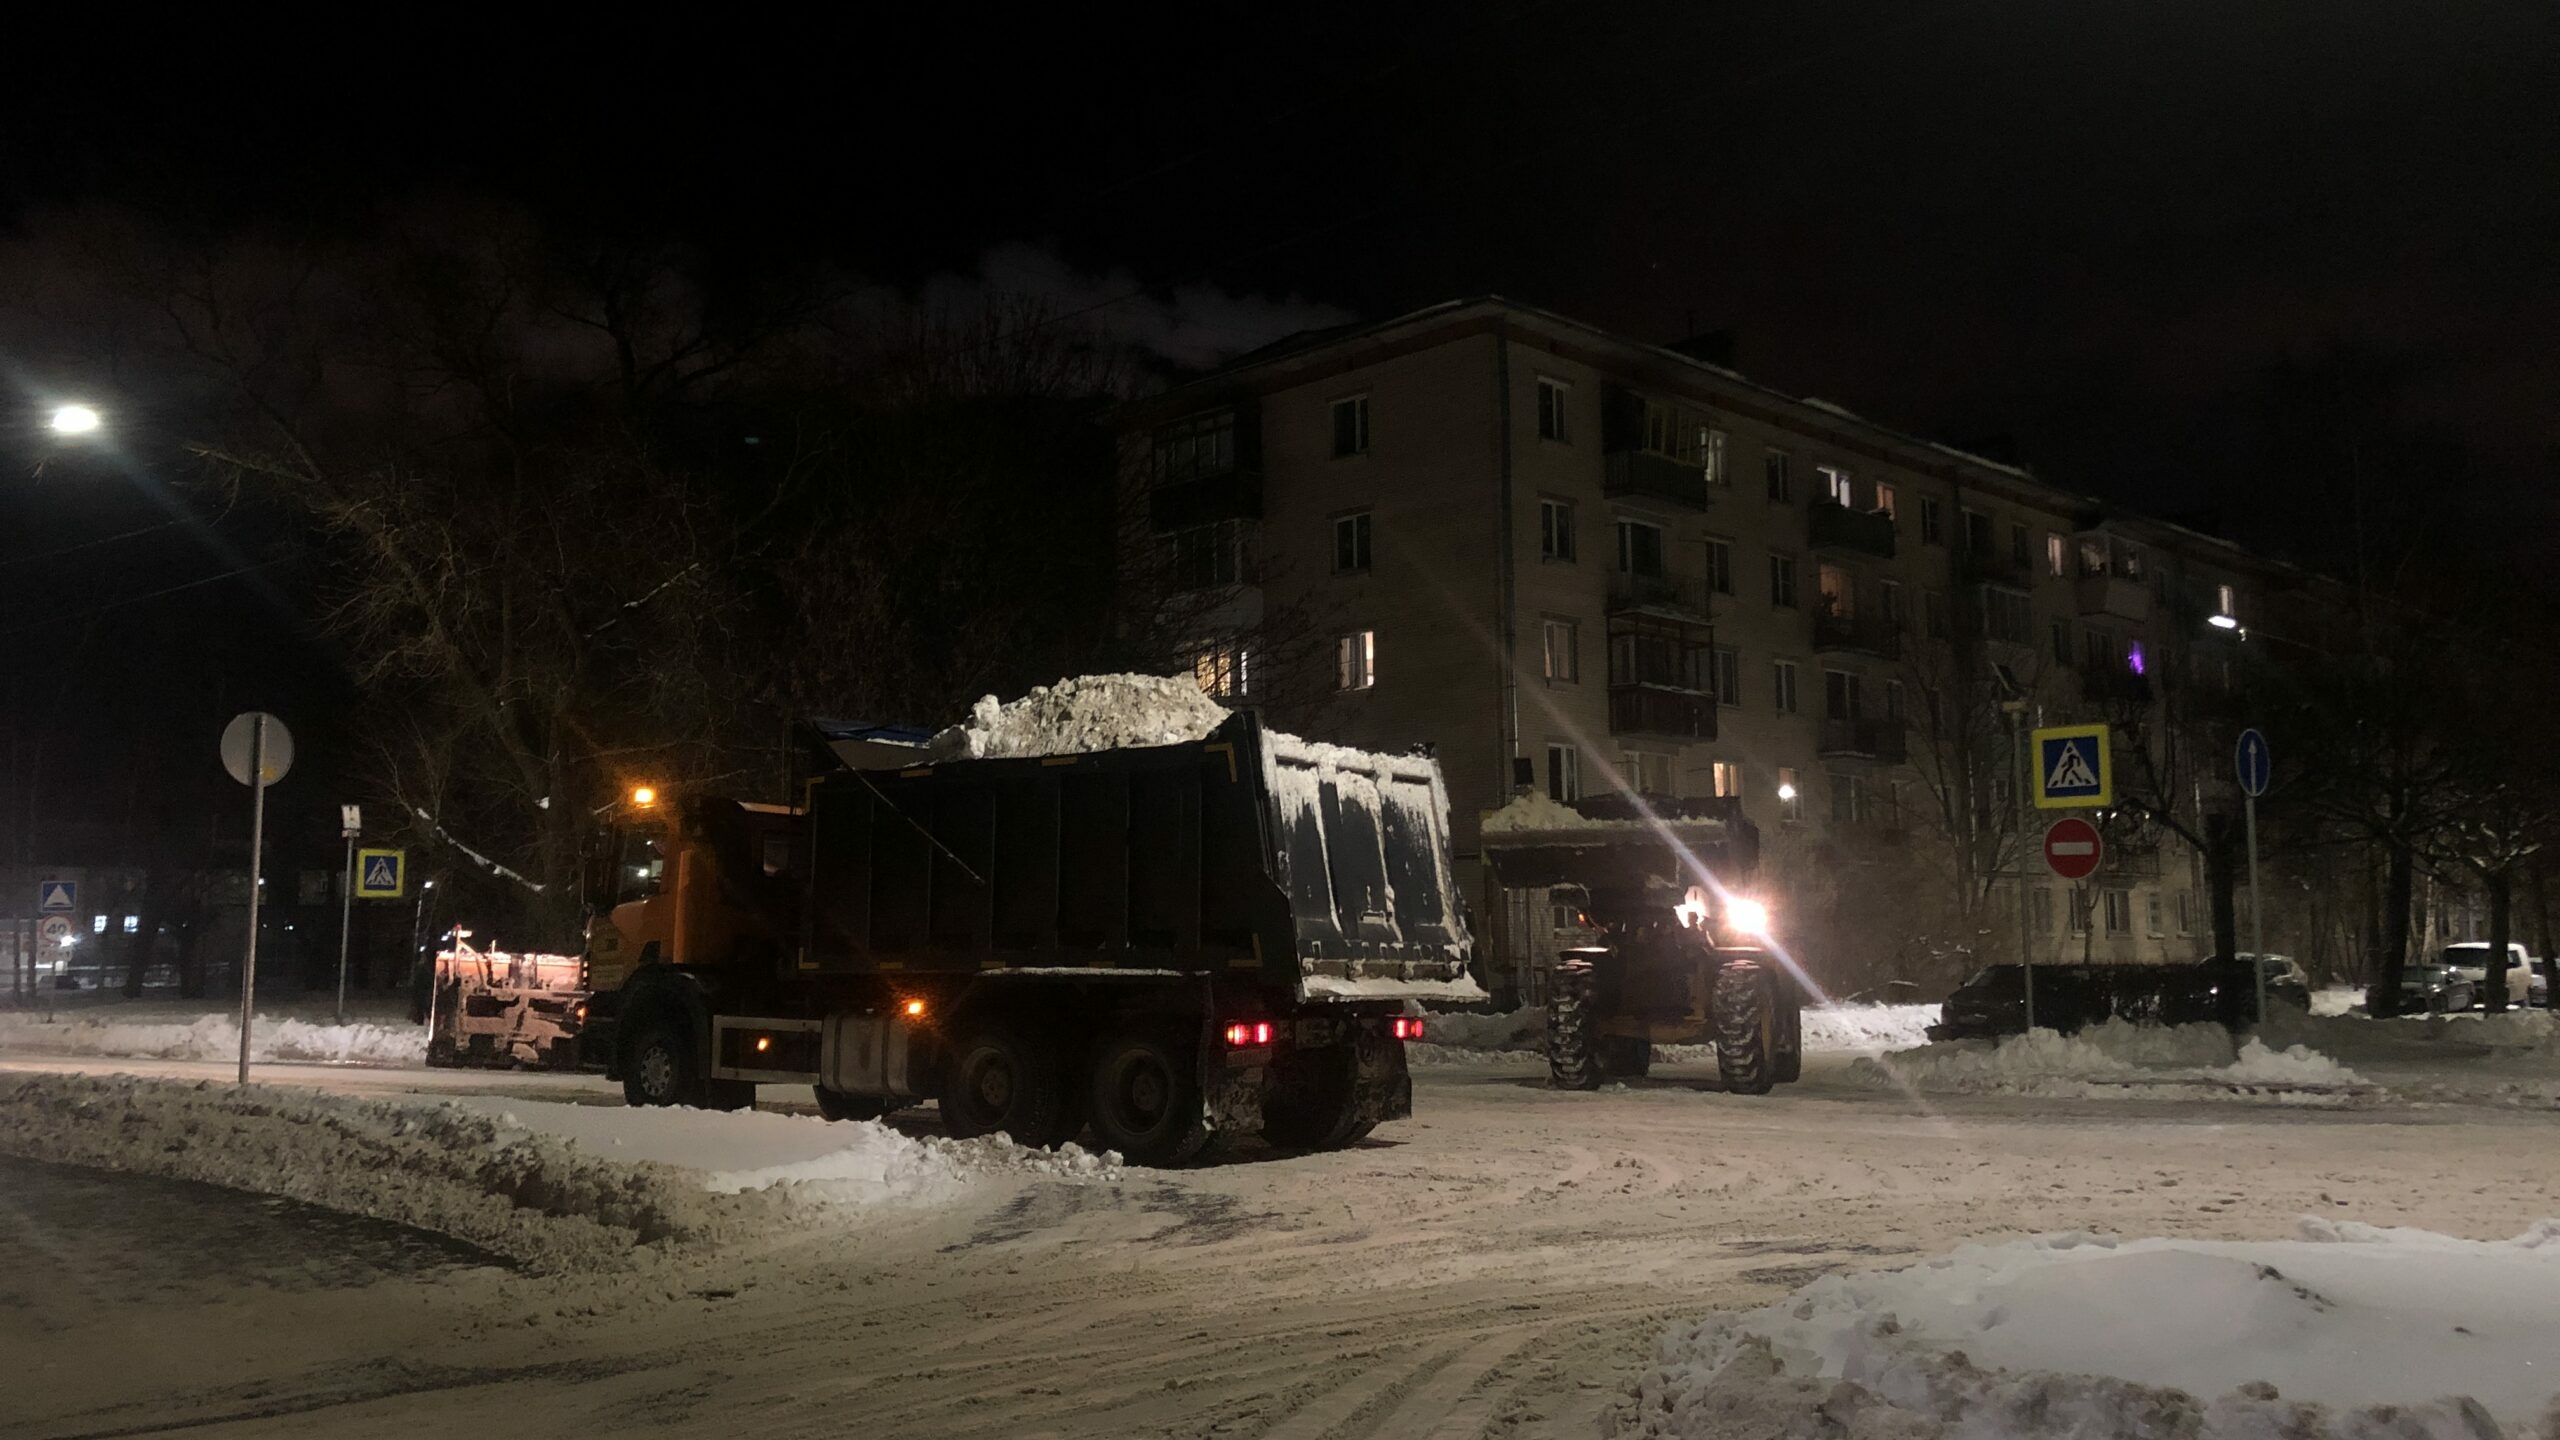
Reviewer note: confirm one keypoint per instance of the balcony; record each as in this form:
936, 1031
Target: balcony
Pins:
1654, 476
1865, 739
1992, 566
2117, 596
1661, 712
1234, 495
1836, 527
1861, 634
2114, 685
1682, 596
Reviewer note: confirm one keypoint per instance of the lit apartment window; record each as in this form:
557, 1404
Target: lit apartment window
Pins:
1555, 530
1351, 426
1222, 671
2225, 601
1727, 675
1564, 774
97, 924
1562, 649
2057, 555
1781, 484
1639, 548
1790, 798
1551, 419
1351, 543
1884, 500
1355, 660
1782, 581
1782, 685
1933, 521
1720, 567
1837, 486
1727, 778
1712, 458
133, 924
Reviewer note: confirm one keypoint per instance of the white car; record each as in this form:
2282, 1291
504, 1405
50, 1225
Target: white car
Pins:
2527, 984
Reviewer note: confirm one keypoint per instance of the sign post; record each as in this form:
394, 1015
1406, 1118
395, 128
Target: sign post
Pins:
2070, 769
257, 750
350, 824
2255, 764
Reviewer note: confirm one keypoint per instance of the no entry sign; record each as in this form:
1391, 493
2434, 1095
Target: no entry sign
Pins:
2072, 849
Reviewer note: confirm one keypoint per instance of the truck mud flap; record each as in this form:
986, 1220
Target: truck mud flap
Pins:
1383, 1089
1231, 1097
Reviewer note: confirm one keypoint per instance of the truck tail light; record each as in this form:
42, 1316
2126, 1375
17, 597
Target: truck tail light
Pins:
1255, 1033
1405, 1027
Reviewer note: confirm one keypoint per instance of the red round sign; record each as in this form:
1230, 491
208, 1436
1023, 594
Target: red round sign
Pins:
2072, 849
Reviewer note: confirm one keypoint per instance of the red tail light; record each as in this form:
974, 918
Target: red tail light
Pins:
1256, 1033
1405, 1027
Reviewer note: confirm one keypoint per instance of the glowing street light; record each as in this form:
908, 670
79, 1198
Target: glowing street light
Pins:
644, 796
2223, 622
76, 420
1786, 792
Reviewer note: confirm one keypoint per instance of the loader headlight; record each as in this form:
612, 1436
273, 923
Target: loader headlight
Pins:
1751, 917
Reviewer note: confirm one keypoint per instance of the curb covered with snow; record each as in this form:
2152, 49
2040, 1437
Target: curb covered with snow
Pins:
215, 1037
2347, 1333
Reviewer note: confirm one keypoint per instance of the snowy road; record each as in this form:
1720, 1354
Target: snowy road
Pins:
1498, 1266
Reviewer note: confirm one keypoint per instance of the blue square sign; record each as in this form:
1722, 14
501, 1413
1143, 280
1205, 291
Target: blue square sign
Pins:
2073, 770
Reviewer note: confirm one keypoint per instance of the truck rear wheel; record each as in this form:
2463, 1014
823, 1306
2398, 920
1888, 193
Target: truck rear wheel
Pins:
1146, 1102
1573, 1062
1314, 1104
1746, 1029
999, 1078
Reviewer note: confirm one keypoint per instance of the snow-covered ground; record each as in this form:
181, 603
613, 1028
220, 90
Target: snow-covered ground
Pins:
182, 1031
2348, 1331
1520, 1036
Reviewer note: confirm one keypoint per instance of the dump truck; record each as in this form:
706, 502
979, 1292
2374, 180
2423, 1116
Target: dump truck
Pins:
1684, 954
1169, 946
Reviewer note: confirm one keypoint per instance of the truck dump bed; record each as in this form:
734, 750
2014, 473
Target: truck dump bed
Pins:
1247, 855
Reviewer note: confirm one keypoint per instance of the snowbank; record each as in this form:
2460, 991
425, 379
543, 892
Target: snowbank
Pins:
1532, 810
2351, 1331
1083, 714
216, 1037
2105, 1058
1460, 1037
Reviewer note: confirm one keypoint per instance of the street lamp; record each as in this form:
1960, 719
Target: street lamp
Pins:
76, 420
2223, 622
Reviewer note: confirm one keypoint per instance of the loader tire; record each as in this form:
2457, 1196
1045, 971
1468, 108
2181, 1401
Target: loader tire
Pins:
1573, 1060
1746, 1029
1146, 1102
1001, 1078
1313, 1104
840, 1105
1625, 1057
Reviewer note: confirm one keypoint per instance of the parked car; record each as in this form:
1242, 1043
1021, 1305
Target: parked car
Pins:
2527, 982
2071, 997
2425, 990
2287, 982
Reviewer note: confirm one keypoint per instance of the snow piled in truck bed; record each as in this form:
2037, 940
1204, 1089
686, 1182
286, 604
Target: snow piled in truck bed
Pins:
1081, 715
216, 1037
2349, 1331
2108, 1058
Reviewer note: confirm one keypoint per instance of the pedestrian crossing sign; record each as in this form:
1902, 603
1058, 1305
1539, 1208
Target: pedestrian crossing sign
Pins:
2072, 769
382, 874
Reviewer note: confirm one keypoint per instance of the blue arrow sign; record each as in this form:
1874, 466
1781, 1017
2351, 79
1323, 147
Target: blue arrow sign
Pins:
2255, 763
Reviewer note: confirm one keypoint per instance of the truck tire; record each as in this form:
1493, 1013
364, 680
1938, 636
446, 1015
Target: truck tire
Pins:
1746, 1025
1625, 1057
1001, 1078
1146, 1101
663, 1067
840, 1105
1572, 1059
1313, 1103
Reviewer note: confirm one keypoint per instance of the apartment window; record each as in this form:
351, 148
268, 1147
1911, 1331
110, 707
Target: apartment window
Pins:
1893, 701
133, 924
1838, 592
1207, 556
1781, 484
2129, 561
1933, 521
1223, 671
1727, 777
2018, 547
2151, 914
1844, 797
2057, 555
1351, 543
2043, 896
1563, 649
1790, 797
1555, 530
1639, 548
1843, 698
2100, 649
1711, 447
2119, 912
1933, 614
2076, 906
1355, 660
1837, 486
2061, 642
1351, 426
2093, 558
1977, 533
1648, 773
1196, 447
1727, 676
2186, 912
1720, 567
1782, 581
1884, 500
1657, 429
1889, 602
1783, 685
1551, 419
2006, 616
2225, 602
1564, 774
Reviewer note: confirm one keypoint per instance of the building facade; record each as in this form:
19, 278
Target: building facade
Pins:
1558, 556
